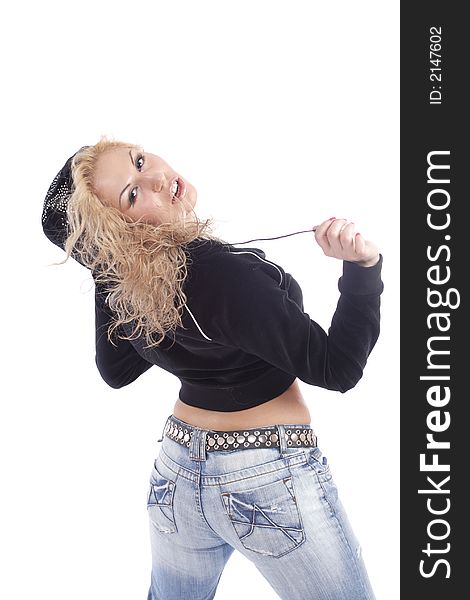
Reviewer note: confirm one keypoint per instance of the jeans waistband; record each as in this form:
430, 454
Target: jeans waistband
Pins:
200, 440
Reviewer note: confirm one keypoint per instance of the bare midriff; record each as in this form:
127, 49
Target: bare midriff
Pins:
289, 407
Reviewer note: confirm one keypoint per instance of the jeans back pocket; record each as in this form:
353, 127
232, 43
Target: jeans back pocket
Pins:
266, 519
160, 502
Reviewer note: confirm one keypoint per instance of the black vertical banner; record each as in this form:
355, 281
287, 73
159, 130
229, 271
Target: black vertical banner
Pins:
435, 242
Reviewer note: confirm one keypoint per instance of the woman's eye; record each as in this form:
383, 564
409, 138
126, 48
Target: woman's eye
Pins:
132, 196
139, 161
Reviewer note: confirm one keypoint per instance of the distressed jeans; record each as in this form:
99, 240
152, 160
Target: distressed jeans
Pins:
278, 506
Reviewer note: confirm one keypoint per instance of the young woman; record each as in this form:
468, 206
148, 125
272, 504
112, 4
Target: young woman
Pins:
239, 466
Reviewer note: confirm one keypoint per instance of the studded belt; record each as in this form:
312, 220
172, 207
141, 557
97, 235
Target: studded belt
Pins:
256, 437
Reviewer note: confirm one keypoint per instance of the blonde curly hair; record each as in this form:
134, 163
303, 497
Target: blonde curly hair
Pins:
142, 266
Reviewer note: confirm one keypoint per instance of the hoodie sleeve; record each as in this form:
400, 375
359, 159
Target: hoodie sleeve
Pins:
256, 314
118, 365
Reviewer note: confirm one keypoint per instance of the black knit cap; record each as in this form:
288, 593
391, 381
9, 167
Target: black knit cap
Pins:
54, 213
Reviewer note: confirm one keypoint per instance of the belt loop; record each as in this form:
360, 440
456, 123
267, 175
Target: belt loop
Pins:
163, 430
282, 439
197, 448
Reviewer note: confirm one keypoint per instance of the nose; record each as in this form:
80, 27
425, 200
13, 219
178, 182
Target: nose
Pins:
156, 180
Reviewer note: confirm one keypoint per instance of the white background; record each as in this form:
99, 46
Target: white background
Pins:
281, 115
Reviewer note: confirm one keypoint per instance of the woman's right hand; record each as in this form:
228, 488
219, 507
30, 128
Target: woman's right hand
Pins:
338, 238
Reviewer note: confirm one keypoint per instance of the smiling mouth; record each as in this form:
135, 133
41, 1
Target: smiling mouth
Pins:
177, 189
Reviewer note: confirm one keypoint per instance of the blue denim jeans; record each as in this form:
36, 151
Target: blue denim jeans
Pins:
278, 506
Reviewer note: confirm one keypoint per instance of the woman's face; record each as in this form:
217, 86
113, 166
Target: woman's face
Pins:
142, 186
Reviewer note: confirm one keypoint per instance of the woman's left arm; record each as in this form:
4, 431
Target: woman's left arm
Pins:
118, 365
